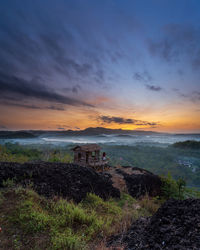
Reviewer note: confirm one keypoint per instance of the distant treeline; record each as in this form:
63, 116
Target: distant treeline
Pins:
10, 152
187, 144
16, 134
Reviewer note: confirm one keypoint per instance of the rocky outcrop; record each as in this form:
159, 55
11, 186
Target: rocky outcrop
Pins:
176, 225
139, 185
67, 180
74, 182
138, 182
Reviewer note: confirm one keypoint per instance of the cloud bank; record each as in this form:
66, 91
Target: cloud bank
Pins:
121, 120
18, 89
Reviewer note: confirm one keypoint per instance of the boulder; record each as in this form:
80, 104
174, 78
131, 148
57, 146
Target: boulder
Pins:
140, 182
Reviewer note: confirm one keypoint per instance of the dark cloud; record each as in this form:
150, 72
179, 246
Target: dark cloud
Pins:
153, 87
196, 95
44, 55
121, 120
31, 106
190, 96
61, 128
75, 89
180, 94
100, 76
164, 49
146, 78
178, 42
3, 127
21, 88
53, 107
142, 76
42, 44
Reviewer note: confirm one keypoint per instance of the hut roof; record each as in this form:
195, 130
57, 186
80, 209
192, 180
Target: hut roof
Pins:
87, 147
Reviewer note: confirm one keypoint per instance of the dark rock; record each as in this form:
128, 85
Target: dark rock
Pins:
142, 182
67, 180
182, 233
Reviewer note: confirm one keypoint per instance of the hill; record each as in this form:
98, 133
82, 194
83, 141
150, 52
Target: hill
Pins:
16, 134
187, 144
85, 132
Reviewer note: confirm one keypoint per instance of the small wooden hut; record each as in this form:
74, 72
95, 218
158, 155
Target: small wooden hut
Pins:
88, 155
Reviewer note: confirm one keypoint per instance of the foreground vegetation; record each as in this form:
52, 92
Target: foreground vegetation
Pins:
29, 221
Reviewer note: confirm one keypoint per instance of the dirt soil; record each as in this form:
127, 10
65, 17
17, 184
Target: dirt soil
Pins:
59, 179
176, 225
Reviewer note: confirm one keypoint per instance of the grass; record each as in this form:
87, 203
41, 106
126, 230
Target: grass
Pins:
150, 205
13, 152
30, 221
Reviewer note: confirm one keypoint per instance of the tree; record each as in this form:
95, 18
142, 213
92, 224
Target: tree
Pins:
181, 183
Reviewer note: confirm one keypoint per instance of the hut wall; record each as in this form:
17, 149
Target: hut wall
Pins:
87, 158
81, 160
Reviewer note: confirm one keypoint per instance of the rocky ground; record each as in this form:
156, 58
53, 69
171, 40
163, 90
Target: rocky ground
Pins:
176, 225
74, 182
59, 179
136, 181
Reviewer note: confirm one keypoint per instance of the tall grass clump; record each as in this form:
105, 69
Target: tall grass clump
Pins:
67, 240
61, 224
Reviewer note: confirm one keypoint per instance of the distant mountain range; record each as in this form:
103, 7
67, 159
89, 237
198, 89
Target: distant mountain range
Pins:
16, 134
86, 132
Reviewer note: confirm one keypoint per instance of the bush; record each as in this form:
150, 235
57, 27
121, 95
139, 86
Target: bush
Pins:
169, 187
67, 240
177, 189
30, 217
9, 183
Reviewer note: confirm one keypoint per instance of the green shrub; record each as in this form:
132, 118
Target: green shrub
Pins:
67, 240
9, 183
93, 201
32, 218
169, 187
1, 198
175, 189
126, 199
72, 215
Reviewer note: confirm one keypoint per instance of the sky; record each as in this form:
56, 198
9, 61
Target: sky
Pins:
73, 64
